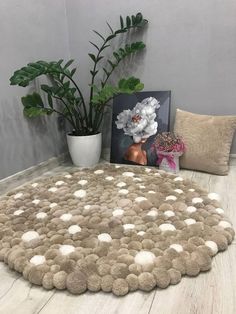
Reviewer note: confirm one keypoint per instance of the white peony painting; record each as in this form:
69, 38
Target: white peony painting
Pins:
136, 121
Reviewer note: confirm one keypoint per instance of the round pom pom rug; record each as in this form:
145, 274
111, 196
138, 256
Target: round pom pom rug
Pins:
111, 228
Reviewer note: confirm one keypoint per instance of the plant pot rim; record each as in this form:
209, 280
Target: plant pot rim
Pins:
90, 135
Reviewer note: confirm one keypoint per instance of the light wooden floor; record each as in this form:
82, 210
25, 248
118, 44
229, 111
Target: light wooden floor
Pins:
212, 292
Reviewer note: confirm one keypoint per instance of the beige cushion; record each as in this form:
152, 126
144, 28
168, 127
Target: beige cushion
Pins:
208, 140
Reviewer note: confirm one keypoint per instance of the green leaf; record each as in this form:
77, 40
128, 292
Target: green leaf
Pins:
68, 63
125, 86
128, 21
33, 106
50, 102
99, 35
92, 56
36, 112
94, 45
119, 31
99, 58
94, 72
60, 62
104, 47
110, 37
110, 28
121, 22
72, 72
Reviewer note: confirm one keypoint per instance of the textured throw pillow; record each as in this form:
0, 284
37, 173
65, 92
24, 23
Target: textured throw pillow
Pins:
208, 140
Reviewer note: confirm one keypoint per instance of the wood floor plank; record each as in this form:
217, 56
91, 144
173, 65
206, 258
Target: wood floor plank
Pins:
99, 303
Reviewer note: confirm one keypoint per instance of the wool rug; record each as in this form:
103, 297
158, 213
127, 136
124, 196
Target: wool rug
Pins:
111, 228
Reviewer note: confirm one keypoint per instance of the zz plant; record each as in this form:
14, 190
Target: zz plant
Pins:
84, 117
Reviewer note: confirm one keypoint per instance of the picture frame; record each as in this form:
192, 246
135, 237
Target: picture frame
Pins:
127, 145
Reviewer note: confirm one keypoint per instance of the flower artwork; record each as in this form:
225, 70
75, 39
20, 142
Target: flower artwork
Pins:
139, 123
135, 128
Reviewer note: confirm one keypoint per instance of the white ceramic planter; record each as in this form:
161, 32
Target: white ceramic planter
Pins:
85, 151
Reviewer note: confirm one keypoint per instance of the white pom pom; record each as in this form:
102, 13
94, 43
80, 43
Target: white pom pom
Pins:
18, 212
29, 236
225, 224
53, 189
144, 258
219, 211
152, 213
41, 215
214, 196
128, 174
140, 199
121, 184
213, 246
196, 200
66, 249
169, 213
36, 202
59, 183
99, 171
117, 212
190, 221
104, 237
53, 205
167, 227
141, 233
128, 226
37, 260
171, 198
74, 229
123, 191
80, 193
66, 217
18, 195
83, 182
179, 191
191, 209
178, 179
177, 247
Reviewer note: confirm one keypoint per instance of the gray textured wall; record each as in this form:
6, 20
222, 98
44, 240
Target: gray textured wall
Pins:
30, 30
191, 48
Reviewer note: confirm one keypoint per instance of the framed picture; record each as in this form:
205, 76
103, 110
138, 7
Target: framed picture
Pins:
136, 120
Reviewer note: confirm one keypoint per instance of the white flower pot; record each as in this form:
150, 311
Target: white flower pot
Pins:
85, 151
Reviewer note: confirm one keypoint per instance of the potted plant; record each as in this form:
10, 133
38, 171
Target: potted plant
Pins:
65, 97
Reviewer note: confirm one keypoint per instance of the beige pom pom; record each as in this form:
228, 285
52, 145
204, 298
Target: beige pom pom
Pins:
175, 276
94, 283
126, 259
192, 267
120, 287
179, 264
135, 269
146, 281
76, 282
119, 270
132, 282
35, 276
162, 277
221, 241
107, 283
59, 280
203, 260
104, 269
47, 281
